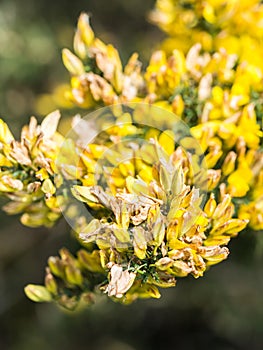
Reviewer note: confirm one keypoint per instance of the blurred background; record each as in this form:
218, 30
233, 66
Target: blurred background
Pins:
223, 310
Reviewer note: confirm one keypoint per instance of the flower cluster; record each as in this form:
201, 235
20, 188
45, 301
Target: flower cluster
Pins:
170, 173
151, 232
217, 94
234, 25
28, 176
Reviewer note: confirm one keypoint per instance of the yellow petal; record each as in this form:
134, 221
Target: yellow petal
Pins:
6, 136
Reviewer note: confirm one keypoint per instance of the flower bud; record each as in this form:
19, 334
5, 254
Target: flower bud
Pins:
56, 266
90, 261
210, 206
37, 293
229, 163
221, 208
213, 178
72, 62
73, 275
86, 33
51, 283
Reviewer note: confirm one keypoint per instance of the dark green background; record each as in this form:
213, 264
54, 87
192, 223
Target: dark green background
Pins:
223, 310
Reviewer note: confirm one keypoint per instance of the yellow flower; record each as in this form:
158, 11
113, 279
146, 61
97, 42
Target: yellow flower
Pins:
239, 180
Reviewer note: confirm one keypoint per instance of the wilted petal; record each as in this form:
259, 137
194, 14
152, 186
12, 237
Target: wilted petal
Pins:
49, 124
120, 282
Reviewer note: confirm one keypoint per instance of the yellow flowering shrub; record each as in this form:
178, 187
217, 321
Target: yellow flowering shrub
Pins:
156, 183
